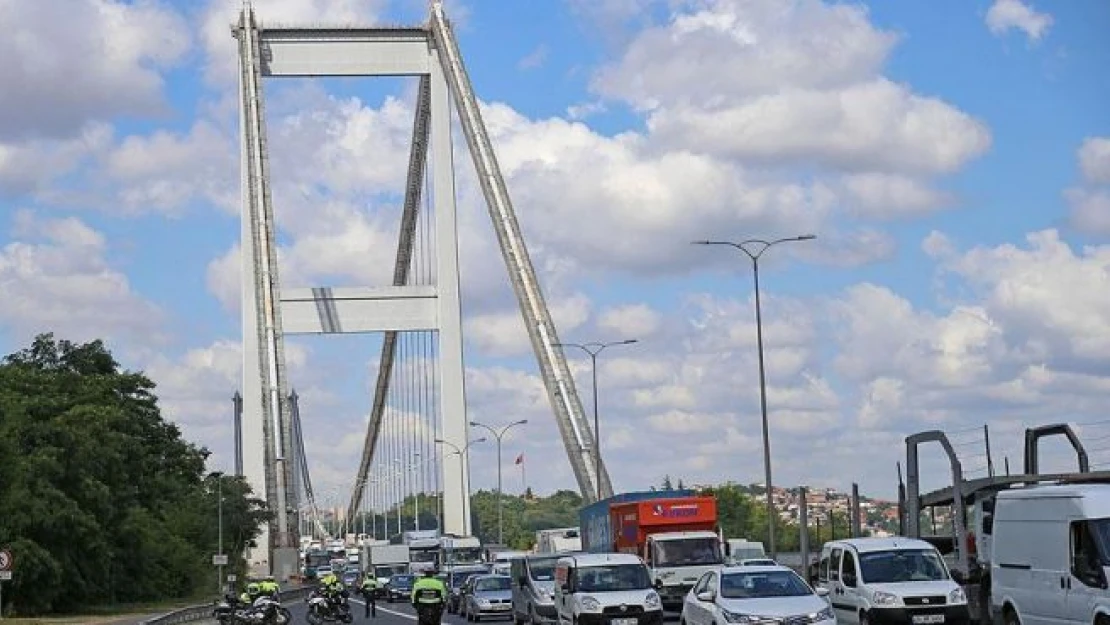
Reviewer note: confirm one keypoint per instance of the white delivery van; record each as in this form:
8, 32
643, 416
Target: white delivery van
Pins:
1050, 555
890, 581
605, 589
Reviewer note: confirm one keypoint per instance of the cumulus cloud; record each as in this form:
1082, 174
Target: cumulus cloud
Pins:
57, 48
1090, 202
1006, 15
56, 276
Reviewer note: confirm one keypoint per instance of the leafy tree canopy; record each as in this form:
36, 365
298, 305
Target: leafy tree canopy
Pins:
103, 500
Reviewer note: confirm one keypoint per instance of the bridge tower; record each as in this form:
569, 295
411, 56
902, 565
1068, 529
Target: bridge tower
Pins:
431, 53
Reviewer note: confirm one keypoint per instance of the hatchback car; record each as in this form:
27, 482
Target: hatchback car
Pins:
744, 594
488, 596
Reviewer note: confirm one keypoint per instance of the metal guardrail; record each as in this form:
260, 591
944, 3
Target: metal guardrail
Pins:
204, 611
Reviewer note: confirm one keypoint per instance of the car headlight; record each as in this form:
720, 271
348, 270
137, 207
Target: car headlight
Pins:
652, 601
824, 615
957, 596
589, 604
885, 599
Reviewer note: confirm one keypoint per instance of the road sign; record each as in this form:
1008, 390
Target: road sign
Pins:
219, 560
232, 578
6, 560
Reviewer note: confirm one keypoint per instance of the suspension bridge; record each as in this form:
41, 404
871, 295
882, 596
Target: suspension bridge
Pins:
418, 409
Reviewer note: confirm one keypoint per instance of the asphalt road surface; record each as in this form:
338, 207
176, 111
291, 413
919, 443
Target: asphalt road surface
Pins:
388, 614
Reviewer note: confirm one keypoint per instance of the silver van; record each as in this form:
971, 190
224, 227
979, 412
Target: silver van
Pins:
534, 588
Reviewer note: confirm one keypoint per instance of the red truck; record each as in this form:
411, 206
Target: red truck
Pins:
677, 536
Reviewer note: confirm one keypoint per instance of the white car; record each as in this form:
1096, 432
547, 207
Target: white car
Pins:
754, 594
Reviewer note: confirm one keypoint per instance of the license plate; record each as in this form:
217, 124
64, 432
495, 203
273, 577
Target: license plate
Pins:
624, 621
501, 606
927, 619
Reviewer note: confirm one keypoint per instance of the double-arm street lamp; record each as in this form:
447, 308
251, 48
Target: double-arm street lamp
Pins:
593, 349
754, 248
500, 500
463, 479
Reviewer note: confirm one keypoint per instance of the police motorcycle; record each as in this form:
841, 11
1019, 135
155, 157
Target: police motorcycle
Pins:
264, 610
325, 609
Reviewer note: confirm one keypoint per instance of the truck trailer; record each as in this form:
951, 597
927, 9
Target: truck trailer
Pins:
675, 533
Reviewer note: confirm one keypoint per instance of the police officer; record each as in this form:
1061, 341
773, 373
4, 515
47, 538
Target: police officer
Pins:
369, 590
269, 587
429, 595
252, 592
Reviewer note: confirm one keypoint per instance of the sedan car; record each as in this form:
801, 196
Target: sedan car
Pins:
488, 596
739, 594
399, 587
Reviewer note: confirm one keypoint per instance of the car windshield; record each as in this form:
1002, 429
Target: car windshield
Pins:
542, 569
612, 578
457, 579
401, 580
902, 565
757, 585
492, 583
688, 552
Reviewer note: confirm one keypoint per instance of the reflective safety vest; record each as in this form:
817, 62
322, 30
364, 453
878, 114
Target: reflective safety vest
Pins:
370, 583
429, 590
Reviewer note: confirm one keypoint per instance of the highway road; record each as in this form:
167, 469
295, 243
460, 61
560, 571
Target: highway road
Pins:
388, 614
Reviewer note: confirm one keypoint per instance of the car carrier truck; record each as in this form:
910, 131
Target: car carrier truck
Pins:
675, 532
967, 544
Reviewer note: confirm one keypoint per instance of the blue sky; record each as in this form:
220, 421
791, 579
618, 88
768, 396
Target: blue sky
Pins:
923, 142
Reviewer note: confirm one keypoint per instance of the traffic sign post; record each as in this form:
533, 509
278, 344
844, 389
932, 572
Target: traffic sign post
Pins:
6, 564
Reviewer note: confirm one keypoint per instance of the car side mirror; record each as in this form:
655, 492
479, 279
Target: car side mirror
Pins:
706, 595
959, 577
848, 579
822, 592
658, 584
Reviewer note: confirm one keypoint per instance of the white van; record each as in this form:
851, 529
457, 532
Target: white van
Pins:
605, 588
1050, 553
890, 580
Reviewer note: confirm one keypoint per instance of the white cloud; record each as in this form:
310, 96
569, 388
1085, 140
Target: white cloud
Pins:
1005, 15
887, 195
1090, 210
29, 167
56, 277
54, 49
634, 321
1094, 159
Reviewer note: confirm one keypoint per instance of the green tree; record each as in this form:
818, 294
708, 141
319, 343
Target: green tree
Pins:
103, 500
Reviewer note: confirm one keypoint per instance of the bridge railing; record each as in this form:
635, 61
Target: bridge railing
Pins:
204, 611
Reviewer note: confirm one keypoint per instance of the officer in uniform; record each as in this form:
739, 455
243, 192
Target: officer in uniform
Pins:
429, 595
369, 590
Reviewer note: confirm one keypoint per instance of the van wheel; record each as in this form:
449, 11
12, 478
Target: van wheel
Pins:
863, 620
1010, 617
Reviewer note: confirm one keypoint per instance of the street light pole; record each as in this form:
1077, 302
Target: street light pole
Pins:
462, 483
500, 499
762, 246
220, 530
593, 349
